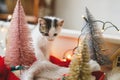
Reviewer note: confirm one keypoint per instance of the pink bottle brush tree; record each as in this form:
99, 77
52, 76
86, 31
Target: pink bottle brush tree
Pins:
19, 49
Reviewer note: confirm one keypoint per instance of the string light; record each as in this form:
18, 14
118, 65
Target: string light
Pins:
3, 29
103, 24
67, 55
84, 18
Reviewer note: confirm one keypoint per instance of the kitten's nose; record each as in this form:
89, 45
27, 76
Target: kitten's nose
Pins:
50, 39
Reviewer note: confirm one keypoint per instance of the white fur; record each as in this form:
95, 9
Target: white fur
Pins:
41, 70
40, 44
94, 65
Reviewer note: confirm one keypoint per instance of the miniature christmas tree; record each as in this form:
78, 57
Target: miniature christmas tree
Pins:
19, 49
95, 41
79, 67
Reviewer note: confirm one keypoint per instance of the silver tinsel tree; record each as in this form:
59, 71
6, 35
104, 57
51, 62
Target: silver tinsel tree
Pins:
95, 40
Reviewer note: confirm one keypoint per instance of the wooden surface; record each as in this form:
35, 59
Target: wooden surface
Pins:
30, 19
31, 8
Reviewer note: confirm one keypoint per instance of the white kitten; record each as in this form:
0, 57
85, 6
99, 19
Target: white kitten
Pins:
43, 35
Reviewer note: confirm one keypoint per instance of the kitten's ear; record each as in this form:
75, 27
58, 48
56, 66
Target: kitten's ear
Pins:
61, 22
41, 20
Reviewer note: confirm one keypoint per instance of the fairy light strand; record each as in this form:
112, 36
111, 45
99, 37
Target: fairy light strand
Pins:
104, 24
103, 29
3, 30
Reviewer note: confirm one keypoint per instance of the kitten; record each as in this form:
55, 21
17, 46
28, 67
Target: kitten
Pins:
43, 35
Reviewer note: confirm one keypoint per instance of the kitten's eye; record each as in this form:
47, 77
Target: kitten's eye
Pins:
55, 34
46, 34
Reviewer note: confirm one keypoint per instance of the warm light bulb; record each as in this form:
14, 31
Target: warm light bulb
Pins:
102, 30
64, 60
9, 17
4, 49
69, 56
83, 16
78, 54
119, 31
3, 29
1, 41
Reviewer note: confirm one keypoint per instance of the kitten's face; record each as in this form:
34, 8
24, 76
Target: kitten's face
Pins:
50, 27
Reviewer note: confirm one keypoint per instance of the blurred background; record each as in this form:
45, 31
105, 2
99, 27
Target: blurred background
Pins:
70, 10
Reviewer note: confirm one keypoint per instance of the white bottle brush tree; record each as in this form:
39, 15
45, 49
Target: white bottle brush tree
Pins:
79, 67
